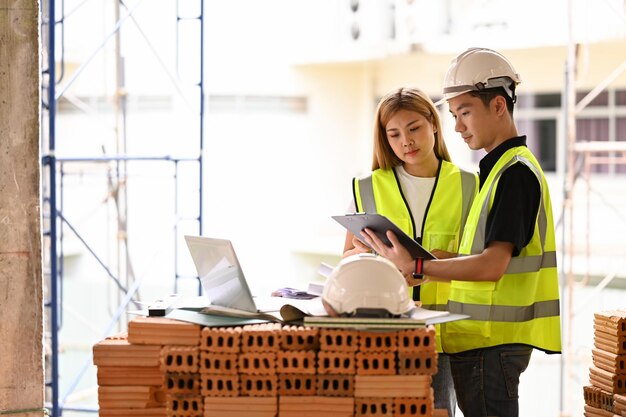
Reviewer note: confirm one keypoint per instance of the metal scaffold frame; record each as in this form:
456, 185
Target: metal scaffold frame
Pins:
580, 157
54, 220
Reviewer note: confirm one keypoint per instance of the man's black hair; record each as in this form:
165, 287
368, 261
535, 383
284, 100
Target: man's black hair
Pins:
489, 94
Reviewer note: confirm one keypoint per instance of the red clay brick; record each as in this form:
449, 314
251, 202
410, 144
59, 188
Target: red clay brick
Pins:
185, 406
218, 363
221, 339
182, 383
335, 385
412, 406
133, 412
339, 340
117, 351
592, 395
329, 362
160, 395
128, 375
606, 400
417, 386
125, 396
259, 385
296, 362
299, 338
415, 363
297, 384
416, 340
609, 361
162, 331
179, 359
609, 329
374, 407
375, 363
619, 404
236, 407
257, 363
261, 337
609, 342
615, 319
607, 380
378, 341
289, 406
219, 385
596, 412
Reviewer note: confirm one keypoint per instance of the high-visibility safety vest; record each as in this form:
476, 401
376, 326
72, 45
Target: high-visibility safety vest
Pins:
444, 219
523, 306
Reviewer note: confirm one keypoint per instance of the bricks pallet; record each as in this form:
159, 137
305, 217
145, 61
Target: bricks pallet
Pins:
607, 376
264, 370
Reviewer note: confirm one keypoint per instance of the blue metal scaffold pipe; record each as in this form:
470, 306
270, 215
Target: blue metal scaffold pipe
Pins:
52, 203
55, 404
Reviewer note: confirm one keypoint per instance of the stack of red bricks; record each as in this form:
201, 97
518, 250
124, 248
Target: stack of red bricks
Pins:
269, 370
131, 377
606, 394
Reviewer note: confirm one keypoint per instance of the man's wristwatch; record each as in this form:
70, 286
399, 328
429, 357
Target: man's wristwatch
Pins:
419, 268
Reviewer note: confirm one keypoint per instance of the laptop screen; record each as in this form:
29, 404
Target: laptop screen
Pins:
221, 276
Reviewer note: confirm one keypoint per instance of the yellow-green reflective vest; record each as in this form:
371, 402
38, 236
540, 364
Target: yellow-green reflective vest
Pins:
523, 306
445, 215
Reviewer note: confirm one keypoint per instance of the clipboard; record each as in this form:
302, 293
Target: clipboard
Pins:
379, 224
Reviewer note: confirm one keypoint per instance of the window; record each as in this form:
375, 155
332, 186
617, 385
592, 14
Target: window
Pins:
538, 101
603, 119
620, 135
541, 140
594, 130
601, 100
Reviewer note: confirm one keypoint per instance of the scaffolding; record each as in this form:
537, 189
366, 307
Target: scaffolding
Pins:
117, 167
581, 157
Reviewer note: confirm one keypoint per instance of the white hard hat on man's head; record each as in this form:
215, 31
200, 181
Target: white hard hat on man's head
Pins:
366, 284
477, 69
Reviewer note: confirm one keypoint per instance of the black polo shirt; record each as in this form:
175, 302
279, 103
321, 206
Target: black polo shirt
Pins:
516, 203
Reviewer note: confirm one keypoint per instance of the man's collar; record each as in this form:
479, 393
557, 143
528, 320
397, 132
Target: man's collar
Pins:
489, 160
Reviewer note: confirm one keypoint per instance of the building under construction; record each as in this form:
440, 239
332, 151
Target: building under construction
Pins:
127, 125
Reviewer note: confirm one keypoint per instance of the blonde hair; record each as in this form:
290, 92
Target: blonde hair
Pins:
411, 99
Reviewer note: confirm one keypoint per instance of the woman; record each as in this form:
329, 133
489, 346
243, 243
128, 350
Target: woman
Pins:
415, 185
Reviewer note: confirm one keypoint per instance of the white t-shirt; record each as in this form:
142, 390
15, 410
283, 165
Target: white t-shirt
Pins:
417, 192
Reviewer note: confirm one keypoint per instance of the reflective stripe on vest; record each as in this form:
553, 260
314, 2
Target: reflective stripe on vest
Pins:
436, 307
468, 189
366, 189
517, 265
506, 313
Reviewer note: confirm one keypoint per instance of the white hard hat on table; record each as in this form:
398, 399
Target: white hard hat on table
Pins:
366, 284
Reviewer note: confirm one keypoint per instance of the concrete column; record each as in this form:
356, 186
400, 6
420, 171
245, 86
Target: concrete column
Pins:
21, 323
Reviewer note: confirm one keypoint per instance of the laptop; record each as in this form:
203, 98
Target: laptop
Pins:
222, 278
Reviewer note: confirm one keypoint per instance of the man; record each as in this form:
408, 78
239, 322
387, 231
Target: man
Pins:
505, 275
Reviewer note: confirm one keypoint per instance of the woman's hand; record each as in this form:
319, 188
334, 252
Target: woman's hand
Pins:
396, 253
441, 254
358, 247
414, 282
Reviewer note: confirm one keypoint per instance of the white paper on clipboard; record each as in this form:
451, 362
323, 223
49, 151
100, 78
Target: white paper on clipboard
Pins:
379, 224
